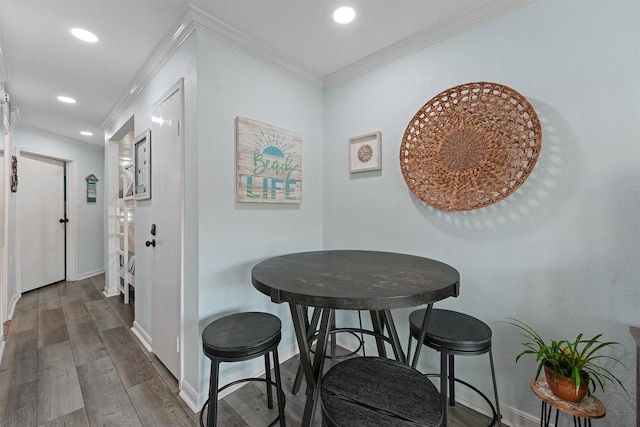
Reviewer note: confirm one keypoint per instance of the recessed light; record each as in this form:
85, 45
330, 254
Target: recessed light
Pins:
344, 15
84, 35
85, 133
66, 99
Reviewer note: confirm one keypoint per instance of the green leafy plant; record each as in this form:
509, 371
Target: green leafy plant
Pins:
576, 359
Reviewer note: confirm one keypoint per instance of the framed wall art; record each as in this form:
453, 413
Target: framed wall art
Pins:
92, 190
142, 166
365, 152
269, 163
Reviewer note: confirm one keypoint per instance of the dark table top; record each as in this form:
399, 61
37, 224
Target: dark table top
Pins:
355, 280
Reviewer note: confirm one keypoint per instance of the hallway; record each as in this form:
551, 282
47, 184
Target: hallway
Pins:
70, 359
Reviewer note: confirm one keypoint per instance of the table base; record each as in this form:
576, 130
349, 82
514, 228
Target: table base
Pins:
312, 363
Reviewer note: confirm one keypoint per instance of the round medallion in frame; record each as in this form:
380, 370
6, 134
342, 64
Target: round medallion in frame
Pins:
470, 146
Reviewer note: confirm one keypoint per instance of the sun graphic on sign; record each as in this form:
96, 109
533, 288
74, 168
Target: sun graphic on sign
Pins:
273, 144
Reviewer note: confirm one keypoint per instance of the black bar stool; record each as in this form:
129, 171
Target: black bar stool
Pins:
374, 391
238, 337
452, 333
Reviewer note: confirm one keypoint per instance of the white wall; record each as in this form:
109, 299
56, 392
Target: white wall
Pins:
89, 160
181, 65
233, 237
562, 252
224, 239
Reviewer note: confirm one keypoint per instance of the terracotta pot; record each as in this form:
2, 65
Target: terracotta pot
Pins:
564, 388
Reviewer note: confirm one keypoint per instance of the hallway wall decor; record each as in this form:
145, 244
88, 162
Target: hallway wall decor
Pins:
142, 162
92, 183
14, 174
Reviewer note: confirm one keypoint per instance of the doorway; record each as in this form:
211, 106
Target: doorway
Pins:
165, 227
42, 221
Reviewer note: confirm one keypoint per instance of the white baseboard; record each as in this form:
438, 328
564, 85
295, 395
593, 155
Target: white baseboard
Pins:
12, 305
2, 345
190, 396
88, 274
108, 294
142, 335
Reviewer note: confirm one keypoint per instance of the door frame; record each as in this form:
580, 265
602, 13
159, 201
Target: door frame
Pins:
71, 177
178, 87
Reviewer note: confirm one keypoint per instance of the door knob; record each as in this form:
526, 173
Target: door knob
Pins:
152, 242
63, 220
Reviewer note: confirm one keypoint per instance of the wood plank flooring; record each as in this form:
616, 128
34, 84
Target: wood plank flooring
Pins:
71, 360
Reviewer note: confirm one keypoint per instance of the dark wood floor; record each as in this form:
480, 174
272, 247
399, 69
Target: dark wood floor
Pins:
71, 360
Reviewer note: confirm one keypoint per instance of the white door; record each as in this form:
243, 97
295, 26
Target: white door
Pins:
40, 202
166, 214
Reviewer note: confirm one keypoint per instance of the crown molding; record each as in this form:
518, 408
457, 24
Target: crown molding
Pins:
167, 47
212, 26
484, 11
195, 19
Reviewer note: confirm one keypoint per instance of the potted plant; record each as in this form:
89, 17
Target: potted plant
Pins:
571, 367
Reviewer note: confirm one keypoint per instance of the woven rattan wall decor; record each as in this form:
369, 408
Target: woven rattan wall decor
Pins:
470, 146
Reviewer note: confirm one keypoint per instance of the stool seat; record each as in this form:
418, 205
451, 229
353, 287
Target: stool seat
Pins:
374, 391
456, 332
241, 335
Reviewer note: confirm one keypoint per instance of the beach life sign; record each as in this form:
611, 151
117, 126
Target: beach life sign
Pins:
269, 163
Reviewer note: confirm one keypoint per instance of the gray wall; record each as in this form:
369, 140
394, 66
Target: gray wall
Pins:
562, 252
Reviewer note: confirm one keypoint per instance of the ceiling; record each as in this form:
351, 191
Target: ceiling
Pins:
40, 59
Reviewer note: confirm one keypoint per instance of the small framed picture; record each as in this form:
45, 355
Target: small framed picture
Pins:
365, 152
142, 166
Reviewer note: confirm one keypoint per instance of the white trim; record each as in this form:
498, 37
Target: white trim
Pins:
89, 274
71, 172
72, 215
213, 27
12, 305
189, 395
483, 12
195, 18
142, 335
158, 58
2, 346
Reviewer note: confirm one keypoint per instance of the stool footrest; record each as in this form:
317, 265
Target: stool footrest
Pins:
245, 380
494, 419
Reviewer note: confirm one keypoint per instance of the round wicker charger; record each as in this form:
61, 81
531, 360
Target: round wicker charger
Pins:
470, 146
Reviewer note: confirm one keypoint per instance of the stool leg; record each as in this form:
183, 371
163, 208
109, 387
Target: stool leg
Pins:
443, 386
280, 394
452, 382
495, 389
332, 337
212, 416
267, 370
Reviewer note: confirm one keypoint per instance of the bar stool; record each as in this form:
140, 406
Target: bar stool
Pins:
238, 337
374, 391
452, 333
